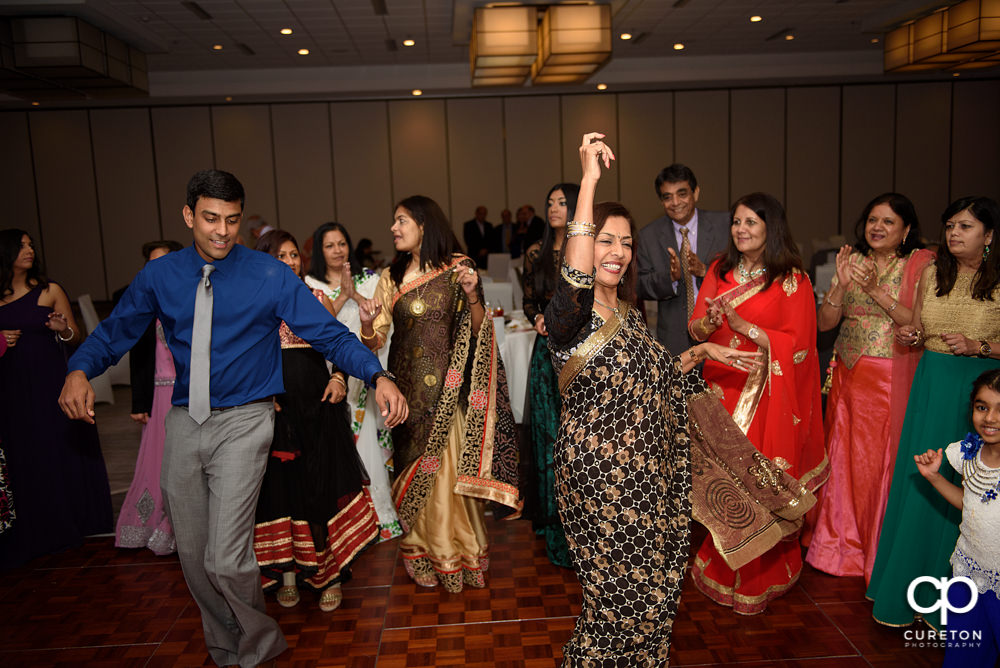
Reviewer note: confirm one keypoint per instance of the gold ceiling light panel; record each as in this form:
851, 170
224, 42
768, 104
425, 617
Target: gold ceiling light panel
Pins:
574, 41
974, 26
504, 45
961, 37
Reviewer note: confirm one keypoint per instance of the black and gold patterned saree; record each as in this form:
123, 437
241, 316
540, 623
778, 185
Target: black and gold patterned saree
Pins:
642, 448
458, 447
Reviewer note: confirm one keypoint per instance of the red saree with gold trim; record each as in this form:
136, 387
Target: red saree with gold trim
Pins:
778, 407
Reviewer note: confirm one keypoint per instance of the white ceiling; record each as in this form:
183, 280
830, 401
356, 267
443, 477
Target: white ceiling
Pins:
349, 42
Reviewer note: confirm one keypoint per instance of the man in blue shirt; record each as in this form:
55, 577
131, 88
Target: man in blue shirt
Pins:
212, 470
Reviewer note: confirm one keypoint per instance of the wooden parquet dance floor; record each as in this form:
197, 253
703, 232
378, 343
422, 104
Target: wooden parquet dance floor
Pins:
101, 606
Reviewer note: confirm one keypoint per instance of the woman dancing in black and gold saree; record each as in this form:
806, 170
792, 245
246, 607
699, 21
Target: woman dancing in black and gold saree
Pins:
458, 447
643, 446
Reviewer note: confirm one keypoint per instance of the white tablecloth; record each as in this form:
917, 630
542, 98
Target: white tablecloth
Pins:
499, 293
515, 351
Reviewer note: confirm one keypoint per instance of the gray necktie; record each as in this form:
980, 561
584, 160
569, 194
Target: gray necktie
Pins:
199, 395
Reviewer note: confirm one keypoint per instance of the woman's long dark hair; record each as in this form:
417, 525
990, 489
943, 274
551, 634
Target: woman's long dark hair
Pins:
985, 280
781, 255
439, 243
317, 263
271, 242
546, 271
10, 248
902, 207
603, 211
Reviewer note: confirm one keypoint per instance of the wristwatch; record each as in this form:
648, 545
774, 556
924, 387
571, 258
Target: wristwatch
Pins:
382, 374
753, 332
984, 349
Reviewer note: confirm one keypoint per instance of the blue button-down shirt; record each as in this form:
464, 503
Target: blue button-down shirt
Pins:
253, 293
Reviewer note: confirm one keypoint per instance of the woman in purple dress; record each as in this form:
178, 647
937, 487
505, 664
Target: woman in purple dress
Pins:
57, 473
143, 521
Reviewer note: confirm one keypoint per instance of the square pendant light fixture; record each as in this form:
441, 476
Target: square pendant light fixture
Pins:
504, 44
574, 41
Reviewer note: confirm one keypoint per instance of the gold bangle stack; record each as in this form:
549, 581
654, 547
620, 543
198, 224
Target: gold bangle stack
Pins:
337, 377
580, 228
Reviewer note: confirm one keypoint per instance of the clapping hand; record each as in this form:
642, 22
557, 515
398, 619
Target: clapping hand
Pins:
715, 311
675, 265
865, 274
346, 281
844, 266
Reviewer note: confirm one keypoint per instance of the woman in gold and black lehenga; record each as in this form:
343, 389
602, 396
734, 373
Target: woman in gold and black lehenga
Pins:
643, 446
458, 448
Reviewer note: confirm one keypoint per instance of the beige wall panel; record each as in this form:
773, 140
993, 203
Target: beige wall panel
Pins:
701, 139
362, 170
812, 164
975, 150
645, 146
923, 148
419, 149
589, 113
534, 164
243, 146
17, 177
866, 167
126, 189
68, 202
475, 157
303, 166
182, 143
757, 148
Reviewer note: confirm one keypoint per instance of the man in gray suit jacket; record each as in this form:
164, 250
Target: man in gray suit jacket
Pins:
660, 271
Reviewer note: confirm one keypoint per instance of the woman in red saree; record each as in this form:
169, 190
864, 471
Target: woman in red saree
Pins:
458, 448
756, 297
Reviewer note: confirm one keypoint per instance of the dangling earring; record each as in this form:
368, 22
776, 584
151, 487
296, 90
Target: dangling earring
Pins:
986, 253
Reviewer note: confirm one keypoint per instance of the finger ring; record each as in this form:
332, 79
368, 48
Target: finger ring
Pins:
471, 272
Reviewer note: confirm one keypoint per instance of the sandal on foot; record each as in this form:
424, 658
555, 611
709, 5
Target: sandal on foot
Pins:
288, 596
331, 598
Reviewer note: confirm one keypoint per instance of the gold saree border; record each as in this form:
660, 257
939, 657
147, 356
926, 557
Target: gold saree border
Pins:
753, 388
423, 279
590, 346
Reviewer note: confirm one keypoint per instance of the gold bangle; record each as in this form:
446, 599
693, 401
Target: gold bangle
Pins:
895, 303
830, 302
337, 377
368, 338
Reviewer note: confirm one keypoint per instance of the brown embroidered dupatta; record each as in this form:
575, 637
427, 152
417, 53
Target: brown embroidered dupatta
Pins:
441, 366
746, 502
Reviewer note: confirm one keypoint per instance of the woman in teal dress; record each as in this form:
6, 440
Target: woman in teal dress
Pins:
539, 278
956, 317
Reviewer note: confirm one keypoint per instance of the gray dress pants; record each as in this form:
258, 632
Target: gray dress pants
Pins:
211, 478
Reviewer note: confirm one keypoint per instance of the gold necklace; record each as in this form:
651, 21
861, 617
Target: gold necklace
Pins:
418, 306
613, 309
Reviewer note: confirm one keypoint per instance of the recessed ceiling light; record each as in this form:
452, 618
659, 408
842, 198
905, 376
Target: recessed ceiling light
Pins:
408, 42
626, 35
678, 47
303, 52
229, 98
602, 86
954, 74
34, 104
874, 40
285, 31
217, 47
756, 19
789, 38
417, 92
